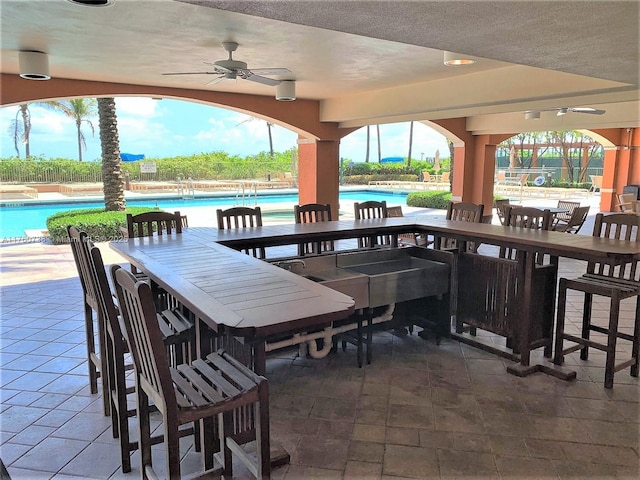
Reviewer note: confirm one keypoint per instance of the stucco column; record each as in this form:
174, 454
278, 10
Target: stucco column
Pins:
621, 166
319, 172
474, 170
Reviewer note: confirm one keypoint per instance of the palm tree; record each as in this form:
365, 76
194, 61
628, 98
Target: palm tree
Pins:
79, 109
410, 143
111, 169
379, 145
366, 156
269, 126
22, 130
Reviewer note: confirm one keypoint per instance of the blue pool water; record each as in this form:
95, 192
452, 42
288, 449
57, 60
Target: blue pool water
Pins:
16, 217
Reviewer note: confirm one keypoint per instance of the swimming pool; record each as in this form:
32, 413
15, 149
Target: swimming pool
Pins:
16, 217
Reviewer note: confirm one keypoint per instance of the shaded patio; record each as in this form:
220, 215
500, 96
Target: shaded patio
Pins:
418, 411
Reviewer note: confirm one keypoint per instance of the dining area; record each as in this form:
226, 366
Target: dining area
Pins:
420, 403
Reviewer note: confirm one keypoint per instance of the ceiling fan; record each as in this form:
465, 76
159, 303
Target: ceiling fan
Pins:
532, 114
231, 69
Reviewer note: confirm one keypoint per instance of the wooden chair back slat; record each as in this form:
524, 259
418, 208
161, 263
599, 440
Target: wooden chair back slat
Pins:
369, 210
242, 217
147, 223
618, 226
313, 213
80, 247
461, 212
525, 217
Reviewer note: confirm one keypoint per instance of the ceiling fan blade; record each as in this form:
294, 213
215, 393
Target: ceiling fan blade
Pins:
271, 71
215, 80
247, 75
190, 73
590, 110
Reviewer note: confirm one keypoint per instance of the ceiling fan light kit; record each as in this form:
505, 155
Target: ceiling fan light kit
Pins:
532, 115
456, 59
34, 65
286, 91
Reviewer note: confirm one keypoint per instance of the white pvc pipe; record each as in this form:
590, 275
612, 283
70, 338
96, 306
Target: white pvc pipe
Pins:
327, 334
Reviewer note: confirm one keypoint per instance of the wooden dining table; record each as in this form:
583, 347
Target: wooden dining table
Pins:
254, 300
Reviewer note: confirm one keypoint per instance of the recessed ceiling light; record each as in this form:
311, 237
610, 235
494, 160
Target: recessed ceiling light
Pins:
92, 3
456, 59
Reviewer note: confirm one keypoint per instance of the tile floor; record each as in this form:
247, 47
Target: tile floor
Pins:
418, 411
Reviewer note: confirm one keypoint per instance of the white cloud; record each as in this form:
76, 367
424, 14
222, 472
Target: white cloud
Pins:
136, 106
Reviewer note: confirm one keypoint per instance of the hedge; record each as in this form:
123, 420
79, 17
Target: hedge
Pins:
434, 199
100, 225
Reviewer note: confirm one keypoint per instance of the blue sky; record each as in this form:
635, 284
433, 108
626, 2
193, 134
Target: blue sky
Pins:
165, 128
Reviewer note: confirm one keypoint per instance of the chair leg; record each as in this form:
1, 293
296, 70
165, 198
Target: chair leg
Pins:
206, 440
263, 445
586, 324
104, 367
558, 359
91, 348
119, 408
359, 342
225, 429
144, 428
612, 337
172, 449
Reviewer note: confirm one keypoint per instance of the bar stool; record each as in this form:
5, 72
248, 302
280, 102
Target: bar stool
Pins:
616, 281
242, 217
215, 386
313, 213
177, 336
96, 357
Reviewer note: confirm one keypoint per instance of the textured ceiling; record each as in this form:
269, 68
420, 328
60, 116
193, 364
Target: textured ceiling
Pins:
366, 62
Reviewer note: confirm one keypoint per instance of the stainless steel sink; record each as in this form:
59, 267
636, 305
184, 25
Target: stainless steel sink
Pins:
379, 277
397, 276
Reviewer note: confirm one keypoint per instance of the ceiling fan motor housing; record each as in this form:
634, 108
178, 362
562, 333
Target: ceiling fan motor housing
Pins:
231, 64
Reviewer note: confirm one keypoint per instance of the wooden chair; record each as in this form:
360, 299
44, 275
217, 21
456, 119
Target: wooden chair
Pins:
94, 320
158, 222
369, 210
525, 217
200, 392
146, 225
614, 281
177, 335
501, 208
461, 212
242, 217
407, 239
625, 202
566, 216
574, 224
445, 177
312, 213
